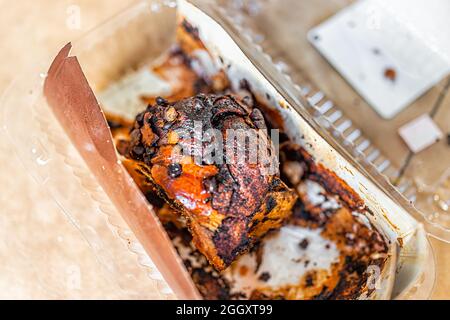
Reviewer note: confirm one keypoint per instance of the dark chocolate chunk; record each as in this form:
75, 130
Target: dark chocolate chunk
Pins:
114, 124
140, 118
304, 244
270, 204
309, 281
265, 276
174, 170
161, 101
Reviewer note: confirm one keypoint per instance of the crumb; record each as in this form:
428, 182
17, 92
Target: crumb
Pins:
265, 276
174, 170
390, 74
304, 244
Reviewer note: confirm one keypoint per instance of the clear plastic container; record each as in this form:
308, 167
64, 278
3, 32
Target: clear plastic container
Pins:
133, 38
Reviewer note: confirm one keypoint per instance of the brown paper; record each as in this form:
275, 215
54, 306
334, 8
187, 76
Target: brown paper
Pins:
74, 104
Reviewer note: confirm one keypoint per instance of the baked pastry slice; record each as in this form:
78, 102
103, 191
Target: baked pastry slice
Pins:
201, 156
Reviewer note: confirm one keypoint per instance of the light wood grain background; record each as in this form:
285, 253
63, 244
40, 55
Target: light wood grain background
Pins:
40, 249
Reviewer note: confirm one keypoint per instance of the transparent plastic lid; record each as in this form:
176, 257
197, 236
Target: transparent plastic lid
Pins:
422, 178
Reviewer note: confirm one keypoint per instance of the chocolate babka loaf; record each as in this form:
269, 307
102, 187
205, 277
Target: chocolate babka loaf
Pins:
210, 158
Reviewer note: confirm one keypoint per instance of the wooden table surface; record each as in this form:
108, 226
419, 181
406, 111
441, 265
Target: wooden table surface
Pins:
33, 30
